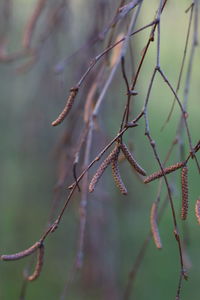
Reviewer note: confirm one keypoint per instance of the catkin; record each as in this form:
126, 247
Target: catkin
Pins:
117, 177
21, 254
184, 186
197, 210
67, 108
39, 264
102, 168
154, 226
167, 170
132, 160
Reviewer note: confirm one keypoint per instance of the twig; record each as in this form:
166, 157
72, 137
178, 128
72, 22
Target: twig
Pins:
84, 200
153, 145
158, 33
77, 154
122, 54
182, 67
29, 29
99, 56
74, 90
180, 105
142, 250
124, 74
134, 81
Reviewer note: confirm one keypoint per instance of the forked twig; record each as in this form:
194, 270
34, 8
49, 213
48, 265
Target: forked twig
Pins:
92, 112
73, 94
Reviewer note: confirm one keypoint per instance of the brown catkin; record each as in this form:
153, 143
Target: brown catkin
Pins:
39, 264
67, 108
154, 226
21, 254
184, 186
197, 210
167, 170
117, 177
102, 168
132, 160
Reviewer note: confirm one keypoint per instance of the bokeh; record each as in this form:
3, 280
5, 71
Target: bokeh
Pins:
37, 159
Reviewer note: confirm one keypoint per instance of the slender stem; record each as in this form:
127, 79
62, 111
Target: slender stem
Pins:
122, 54
143, 249
84, 200
182, 66
153, 145
184, 114
98, 57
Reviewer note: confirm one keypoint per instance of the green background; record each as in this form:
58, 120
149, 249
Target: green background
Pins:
29, 102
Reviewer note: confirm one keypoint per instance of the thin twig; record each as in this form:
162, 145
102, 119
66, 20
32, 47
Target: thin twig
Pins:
84, 200
184, 115
153, 145
182, 67
134, 81
122, 54
29, 29
142, 250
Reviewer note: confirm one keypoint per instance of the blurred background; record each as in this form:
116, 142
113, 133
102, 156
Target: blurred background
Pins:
37, 159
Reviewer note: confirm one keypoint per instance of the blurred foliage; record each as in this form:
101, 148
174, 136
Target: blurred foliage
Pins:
31, 98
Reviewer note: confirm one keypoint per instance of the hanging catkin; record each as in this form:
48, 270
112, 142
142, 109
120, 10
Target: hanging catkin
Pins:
197, 210
184, 186
102, 168
132, 160
117, 176
67, 108
154, 226
39, 264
